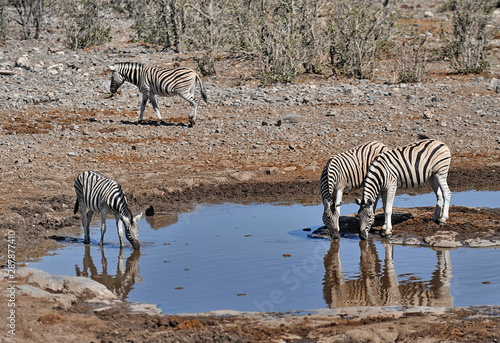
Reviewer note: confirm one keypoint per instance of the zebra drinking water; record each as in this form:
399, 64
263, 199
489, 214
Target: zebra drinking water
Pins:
344, 172
409, 166
153, 81
97, 193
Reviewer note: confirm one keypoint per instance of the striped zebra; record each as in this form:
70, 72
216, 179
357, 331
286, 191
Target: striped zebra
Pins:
97, 193
153, 81
409, 166
344, 172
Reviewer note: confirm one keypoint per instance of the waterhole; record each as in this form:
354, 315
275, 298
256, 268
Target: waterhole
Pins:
258, 257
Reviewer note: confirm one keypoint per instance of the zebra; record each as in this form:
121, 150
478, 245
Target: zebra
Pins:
97, 193
153, 81
344, 172
409, 166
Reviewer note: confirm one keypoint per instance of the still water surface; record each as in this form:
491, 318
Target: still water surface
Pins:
258, 258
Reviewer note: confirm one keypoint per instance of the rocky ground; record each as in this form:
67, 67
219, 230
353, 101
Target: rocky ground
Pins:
250, 143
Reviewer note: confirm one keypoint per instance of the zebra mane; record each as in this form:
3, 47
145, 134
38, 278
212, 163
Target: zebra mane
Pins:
127, 214
128, 65
125, 211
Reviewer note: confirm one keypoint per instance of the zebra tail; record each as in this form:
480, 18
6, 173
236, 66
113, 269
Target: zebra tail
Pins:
202, 89
77, 204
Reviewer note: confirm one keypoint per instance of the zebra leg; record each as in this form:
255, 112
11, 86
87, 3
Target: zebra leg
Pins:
103, 225
336, 210
119, 226
152, 100
376, 203
189, 97
447, 199
388, 200
443, 195
143, 105
86, 219
439, 198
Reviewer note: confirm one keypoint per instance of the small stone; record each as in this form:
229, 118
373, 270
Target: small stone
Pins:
23, 62
428, 114
272, 171
290, 118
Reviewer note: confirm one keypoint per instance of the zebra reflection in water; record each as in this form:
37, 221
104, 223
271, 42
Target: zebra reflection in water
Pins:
120, 283
377, 282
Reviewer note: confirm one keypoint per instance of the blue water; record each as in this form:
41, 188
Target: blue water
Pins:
258, 258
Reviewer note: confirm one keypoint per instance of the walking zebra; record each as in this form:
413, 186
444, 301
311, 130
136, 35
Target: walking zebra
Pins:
158, 81
97, 193
409, 166
344, 172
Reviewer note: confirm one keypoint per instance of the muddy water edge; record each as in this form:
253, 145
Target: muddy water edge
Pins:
40, 217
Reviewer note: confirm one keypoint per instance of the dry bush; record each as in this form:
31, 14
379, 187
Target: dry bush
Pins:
359, 31
3, 23
411, 56
160, 23
291, 39
84, 24
466, 47
29, 16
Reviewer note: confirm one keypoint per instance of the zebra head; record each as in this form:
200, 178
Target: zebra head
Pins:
331, 216
132, 231
117, 79
366, 217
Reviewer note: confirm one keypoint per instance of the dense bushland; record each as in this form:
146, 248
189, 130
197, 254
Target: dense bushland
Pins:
285, 38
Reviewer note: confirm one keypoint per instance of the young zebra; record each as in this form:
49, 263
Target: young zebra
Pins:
97, 193
344, 172
409, 166
158, 81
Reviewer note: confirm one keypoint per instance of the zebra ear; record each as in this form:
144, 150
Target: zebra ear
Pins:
358, 201
137, 217
112, 67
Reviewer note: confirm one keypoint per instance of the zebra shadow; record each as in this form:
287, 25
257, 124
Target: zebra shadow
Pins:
349, 225
124, 278
152, 123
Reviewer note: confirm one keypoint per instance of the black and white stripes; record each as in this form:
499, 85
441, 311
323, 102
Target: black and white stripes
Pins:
153, 81
409, 166
343, 172
97, 193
